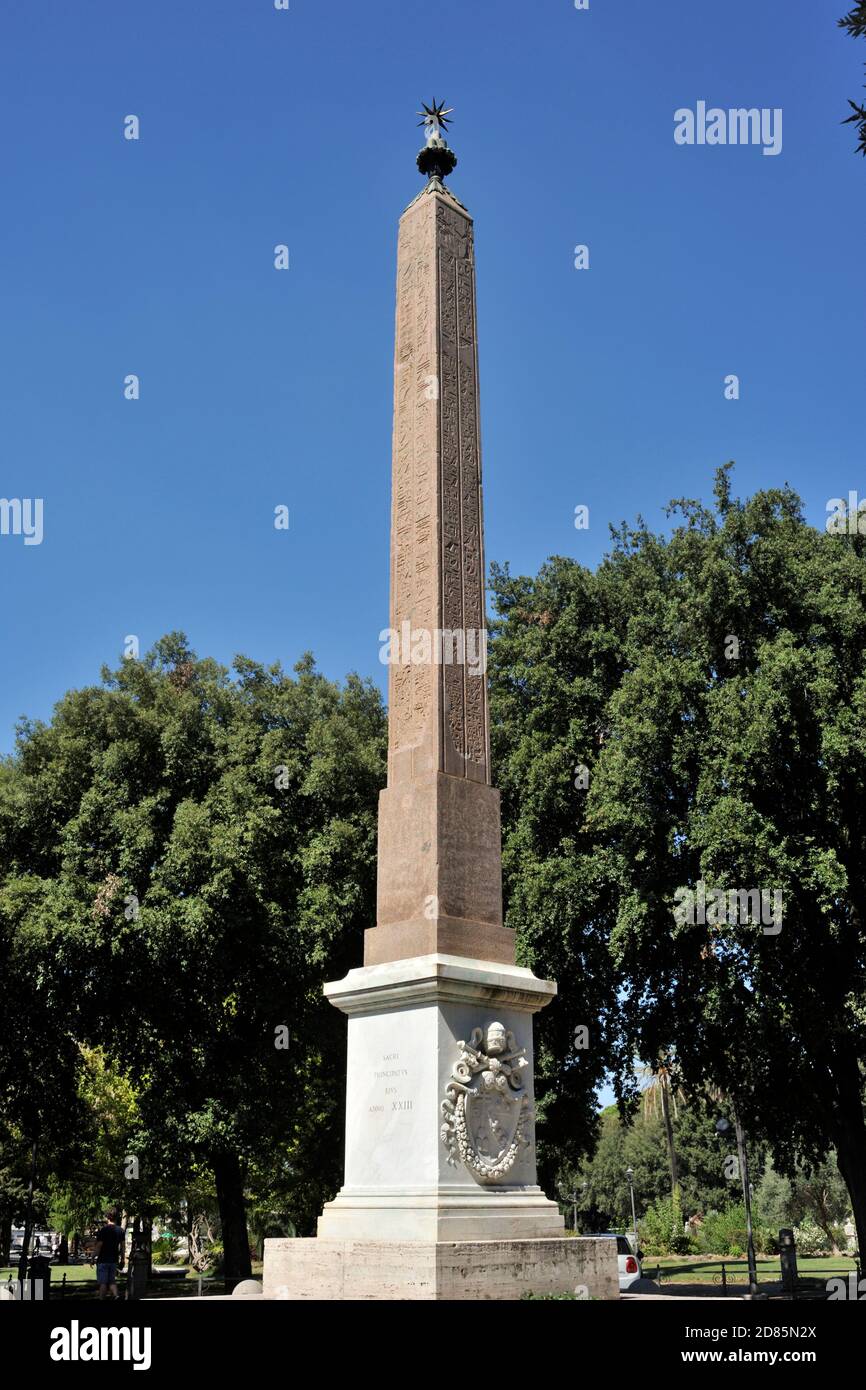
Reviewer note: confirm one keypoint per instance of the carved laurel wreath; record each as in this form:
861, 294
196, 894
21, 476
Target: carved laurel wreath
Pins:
499, 1069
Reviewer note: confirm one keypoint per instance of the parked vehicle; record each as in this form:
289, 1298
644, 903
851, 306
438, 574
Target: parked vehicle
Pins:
628, 1263
41, 1243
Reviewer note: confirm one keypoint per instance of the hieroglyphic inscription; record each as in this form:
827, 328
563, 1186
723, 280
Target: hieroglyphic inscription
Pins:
413, 574
462, 546
437, 574
452, 538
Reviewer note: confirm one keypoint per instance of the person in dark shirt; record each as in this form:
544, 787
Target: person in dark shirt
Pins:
108, 1256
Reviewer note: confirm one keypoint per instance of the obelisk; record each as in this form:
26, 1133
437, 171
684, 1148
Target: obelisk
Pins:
439, 869
440, 1198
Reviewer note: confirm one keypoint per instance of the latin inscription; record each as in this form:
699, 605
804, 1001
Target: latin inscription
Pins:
391, 1074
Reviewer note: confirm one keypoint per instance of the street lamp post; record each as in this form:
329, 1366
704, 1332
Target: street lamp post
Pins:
572, 1197
629, 1174
723, 1127
28, 1223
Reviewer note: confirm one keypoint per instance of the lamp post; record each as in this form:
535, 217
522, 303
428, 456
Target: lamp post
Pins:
571, 1197
629, 1175
28, 1224
723, 1128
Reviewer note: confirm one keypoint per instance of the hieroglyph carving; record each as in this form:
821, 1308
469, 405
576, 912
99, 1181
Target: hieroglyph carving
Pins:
462, 578
414, 499
437, 547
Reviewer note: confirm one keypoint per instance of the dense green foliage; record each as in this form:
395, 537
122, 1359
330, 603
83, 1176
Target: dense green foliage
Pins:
188, 853
187, 856
725, 1233
639, 1144
661, 1229
855, 23
713, 684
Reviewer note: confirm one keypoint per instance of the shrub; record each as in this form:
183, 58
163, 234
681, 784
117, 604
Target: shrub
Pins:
724, 1233
550, 1297
164, 1249
810, 1239
661, 1230
213, 1258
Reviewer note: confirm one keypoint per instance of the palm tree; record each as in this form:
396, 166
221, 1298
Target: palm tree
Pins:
661, 1092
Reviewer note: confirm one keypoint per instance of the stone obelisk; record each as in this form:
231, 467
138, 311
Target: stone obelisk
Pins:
439, 870
440, 1198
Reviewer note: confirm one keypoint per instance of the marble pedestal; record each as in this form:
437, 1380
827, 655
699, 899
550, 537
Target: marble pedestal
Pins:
440, 1190
406, 1021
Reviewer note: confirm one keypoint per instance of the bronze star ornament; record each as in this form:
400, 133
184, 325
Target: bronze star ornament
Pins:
435, 117
436, 160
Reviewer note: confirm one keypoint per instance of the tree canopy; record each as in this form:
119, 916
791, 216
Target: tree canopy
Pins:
712, 684
188, 855
855, 24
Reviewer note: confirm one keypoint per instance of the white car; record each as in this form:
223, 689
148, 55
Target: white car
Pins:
628, 1263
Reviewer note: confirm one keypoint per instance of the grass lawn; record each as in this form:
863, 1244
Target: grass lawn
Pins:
700, 1269
86, 1274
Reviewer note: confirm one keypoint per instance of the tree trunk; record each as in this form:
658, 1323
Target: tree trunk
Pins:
822, 1218
851, 1158
28, 1221
188, 1223
5, 1236
233, 1216
147, 1241
63, 1250
850, 1141
669, 1135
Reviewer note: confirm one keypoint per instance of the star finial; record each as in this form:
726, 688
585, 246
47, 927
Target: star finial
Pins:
435, 118
436, 160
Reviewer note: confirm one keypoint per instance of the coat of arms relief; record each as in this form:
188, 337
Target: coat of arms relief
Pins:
486, 1107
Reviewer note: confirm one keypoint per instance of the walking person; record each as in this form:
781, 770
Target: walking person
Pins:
108, 1255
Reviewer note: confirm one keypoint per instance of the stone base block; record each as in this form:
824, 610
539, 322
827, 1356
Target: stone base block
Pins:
429, 1271
463, 1214
439, 883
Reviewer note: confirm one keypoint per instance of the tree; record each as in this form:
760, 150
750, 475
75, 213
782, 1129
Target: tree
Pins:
772, 1199
43, 1122
552, 665
660, 1090
714, 680
200, 845
815, 1194
639, 1142
855, 23
818, 1192
601, 1180
99, 1178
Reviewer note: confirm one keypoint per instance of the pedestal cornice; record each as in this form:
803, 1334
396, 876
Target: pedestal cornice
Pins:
437, 979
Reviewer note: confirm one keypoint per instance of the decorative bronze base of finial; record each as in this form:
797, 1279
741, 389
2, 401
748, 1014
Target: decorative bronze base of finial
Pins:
436, 160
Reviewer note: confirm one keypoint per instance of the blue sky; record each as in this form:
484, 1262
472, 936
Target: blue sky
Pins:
259, 387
